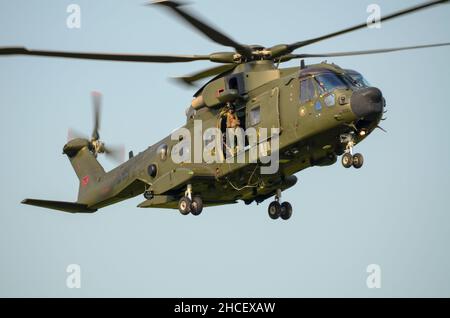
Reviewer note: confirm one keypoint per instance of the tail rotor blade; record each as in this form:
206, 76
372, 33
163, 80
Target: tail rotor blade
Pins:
73, 134
96, 99
115, 153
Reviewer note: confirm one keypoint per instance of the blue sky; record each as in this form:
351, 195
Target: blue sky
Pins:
393, 212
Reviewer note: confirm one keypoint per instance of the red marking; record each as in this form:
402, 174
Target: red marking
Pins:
220, 91
85, 181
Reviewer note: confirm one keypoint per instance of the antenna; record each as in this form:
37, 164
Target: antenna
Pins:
302, 64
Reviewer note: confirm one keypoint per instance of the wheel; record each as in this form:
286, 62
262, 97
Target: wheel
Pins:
274, 210
148, 195
286, 210
184, 205
358, 160
347, 160
196, 206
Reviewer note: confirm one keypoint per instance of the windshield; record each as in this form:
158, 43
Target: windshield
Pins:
329, 82
358, 79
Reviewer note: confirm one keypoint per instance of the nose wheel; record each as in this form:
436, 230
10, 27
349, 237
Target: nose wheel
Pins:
356, 161
348, 158
277, 209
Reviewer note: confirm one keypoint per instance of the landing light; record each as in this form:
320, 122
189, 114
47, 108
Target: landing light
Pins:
362, 133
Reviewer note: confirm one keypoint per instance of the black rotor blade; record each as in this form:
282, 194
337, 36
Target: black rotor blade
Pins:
96, 99
353, 53
211, 32
400, 13
105, 56
192, 78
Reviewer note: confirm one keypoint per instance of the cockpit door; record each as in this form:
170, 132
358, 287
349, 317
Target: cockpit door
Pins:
309, 101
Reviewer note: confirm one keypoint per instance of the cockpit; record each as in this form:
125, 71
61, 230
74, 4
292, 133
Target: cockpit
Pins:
326, 81
321, 83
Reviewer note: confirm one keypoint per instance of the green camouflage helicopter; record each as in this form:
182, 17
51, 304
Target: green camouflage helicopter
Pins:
318, 112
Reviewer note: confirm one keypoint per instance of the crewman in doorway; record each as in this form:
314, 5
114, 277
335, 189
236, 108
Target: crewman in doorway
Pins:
232, 119
233, 122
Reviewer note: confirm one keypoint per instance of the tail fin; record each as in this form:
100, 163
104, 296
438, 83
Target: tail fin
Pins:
86, 166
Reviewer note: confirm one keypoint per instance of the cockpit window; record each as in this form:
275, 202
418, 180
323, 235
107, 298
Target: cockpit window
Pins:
329, 82
307, 90
358, 79
355, 79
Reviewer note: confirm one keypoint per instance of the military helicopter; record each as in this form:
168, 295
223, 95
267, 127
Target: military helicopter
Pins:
321, 112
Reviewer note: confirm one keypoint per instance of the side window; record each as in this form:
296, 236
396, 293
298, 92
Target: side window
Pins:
255, 116
233, 83
307, 90
330, 100
318, 106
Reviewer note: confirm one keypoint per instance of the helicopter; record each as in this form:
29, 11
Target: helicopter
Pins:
318, 112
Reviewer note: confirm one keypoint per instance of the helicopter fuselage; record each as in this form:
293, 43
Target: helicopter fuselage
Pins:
316, 121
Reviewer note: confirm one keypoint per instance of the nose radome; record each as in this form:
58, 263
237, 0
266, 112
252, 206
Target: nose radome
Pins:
367, 101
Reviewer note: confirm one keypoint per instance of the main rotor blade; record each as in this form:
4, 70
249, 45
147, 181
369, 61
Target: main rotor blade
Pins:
105, 56
400, 13
96, 99
211, 32
192, 78
353, 53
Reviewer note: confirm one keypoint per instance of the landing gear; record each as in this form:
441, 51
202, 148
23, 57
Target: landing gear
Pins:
358, 160
286, 210
184, 205
189, 204
348, 158
276, 210
196, 206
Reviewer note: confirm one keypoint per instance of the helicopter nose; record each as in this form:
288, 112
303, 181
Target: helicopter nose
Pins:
367, 101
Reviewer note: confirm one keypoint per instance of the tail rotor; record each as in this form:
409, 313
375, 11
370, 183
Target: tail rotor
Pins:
96, 146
